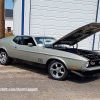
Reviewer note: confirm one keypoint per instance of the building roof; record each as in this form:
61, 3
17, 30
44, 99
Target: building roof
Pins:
9, 13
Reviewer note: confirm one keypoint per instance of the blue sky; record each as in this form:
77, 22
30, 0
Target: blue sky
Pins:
8, 4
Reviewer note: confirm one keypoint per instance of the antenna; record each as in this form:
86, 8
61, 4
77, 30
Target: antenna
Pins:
44, 36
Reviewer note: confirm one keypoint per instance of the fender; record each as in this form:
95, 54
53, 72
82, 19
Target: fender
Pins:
58, 58
3, 48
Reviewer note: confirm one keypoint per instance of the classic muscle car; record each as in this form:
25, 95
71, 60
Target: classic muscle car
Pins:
54, 55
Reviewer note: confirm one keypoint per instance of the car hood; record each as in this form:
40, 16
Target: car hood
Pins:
79, 34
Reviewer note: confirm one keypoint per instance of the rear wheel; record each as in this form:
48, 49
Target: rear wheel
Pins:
4, 59
57, 70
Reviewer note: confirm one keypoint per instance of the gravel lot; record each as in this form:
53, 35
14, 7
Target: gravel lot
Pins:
25, 76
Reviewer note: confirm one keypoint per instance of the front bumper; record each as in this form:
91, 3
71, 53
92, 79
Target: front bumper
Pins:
86, 73
92, 68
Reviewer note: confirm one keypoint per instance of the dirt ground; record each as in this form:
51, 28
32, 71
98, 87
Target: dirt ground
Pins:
25, 76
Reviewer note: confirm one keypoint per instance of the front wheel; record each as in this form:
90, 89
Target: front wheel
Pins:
57, 70
4, 59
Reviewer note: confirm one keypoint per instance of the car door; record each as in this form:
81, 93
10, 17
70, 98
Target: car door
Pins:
21, 50
31, 51
18, 49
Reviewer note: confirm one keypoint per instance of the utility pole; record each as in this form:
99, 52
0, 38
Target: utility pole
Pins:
2, 19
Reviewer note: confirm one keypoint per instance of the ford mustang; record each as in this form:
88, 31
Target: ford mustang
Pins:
55, 55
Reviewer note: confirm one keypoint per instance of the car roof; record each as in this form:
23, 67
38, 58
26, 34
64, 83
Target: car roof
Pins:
34, 36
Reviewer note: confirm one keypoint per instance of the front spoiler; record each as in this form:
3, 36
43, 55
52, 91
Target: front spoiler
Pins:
86, 73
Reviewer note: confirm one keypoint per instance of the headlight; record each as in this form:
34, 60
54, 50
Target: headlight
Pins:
87, 64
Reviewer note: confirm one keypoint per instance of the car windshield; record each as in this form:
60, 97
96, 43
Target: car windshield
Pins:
45, 41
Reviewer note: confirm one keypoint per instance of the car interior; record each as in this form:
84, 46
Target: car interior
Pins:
24, 40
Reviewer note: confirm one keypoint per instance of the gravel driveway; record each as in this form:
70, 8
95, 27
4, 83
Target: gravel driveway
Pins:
25, 76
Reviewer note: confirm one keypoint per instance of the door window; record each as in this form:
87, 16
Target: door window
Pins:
24, 40
16, 39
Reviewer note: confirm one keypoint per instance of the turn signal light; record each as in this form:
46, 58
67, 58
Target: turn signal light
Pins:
83, 71
74, 67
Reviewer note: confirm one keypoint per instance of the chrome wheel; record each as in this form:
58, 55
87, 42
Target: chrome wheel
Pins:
57, 70
3, 57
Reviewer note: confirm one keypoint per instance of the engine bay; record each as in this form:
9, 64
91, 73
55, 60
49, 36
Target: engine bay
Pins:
85, 53
93, 56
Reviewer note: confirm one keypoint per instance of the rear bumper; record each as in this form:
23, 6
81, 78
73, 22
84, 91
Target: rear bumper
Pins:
86, 73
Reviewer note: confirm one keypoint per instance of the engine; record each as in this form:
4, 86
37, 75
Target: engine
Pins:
94, 57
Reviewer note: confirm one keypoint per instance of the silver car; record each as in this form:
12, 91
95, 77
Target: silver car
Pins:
54, 54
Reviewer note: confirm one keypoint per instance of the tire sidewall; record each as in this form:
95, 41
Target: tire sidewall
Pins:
65, 74
7, 58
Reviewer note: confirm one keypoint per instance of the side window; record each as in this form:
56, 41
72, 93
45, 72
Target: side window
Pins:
9, 29
16, 39
25, 40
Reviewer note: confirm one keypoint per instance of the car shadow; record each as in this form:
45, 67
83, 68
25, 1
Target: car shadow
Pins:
79, 79
31, 68
43, 71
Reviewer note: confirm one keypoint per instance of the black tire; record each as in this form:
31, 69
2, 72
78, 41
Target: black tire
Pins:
4, 59
57, 70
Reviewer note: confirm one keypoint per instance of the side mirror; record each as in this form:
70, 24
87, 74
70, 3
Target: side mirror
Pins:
30, 44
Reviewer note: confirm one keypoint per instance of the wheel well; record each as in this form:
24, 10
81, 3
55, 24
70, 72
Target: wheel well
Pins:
2, 49
48, 62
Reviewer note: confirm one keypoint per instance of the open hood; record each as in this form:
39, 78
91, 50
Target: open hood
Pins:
79, 34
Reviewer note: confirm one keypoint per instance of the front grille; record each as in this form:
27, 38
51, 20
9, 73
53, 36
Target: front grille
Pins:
91, 56
96, 61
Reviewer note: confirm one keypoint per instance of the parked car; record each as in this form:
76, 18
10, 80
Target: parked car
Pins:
54, 54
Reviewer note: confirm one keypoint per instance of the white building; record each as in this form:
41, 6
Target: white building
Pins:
9, 19
56, 18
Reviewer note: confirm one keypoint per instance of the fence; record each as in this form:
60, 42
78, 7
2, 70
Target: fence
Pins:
8, 34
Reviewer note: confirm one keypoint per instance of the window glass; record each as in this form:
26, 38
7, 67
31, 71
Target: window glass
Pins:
44, 40
24, 40
16, 39
9, 29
